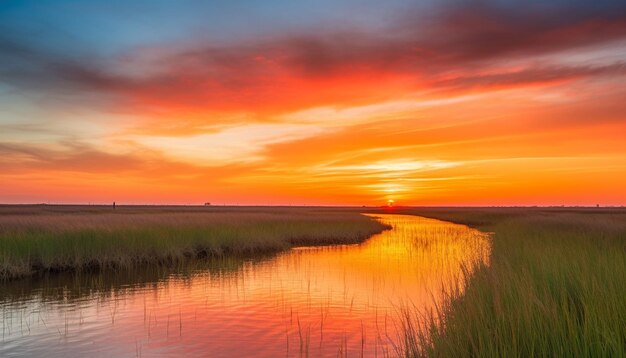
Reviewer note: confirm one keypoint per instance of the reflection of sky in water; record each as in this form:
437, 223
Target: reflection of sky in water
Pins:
324, 300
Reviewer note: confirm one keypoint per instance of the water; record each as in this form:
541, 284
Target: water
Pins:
323, 301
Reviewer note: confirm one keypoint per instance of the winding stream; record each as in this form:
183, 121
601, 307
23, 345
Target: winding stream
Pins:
315, 301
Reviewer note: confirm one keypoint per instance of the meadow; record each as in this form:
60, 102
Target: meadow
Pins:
334, 300
44, 238
554, 288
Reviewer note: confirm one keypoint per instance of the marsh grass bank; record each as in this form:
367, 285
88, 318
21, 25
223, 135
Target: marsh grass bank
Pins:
334, 300
554, 288
46, 238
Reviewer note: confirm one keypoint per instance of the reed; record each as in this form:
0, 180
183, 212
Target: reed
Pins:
554, 287
46, 238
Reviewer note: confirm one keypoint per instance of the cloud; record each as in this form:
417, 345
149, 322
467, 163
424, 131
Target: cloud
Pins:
346, 113
449, 47
387, 168
66, 157
480, 31
130, 159
235, 144
532, 75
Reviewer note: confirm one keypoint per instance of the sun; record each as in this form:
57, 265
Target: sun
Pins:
390, 202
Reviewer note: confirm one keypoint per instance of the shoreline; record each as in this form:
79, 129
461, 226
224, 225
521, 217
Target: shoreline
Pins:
42, 242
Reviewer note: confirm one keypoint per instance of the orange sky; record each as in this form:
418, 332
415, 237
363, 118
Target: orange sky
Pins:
485, 106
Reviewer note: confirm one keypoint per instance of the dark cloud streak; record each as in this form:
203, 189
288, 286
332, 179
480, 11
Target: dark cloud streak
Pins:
459, 38
72, 157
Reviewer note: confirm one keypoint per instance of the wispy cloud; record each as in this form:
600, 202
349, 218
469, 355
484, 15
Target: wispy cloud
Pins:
310, 70
435, 103
236, 144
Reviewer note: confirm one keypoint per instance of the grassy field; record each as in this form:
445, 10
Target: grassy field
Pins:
555, 287
59, 238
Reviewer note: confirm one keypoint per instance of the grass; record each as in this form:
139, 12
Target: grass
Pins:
555, 287
35, 239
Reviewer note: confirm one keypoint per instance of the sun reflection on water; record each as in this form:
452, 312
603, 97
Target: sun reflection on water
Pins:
320, 301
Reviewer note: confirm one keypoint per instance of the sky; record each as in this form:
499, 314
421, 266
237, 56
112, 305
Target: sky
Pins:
313, 102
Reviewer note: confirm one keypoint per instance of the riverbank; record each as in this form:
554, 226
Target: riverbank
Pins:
36, 239
554, 287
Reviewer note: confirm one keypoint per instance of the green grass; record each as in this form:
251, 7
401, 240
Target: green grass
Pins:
555, 286
46, 238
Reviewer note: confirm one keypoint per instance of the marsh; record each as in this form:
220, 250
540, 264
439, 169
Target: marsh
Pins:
332, 300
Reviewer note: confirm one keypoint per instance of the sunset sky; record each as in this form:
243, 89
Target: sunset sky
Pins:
313, 102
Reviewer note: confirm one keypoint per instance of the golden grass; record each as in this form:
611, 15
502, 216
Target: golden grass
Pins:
60, 238
554, 287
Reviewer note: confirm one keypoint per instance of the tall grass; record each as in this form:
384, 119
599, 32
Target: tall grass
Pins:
36, 239
555, 286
